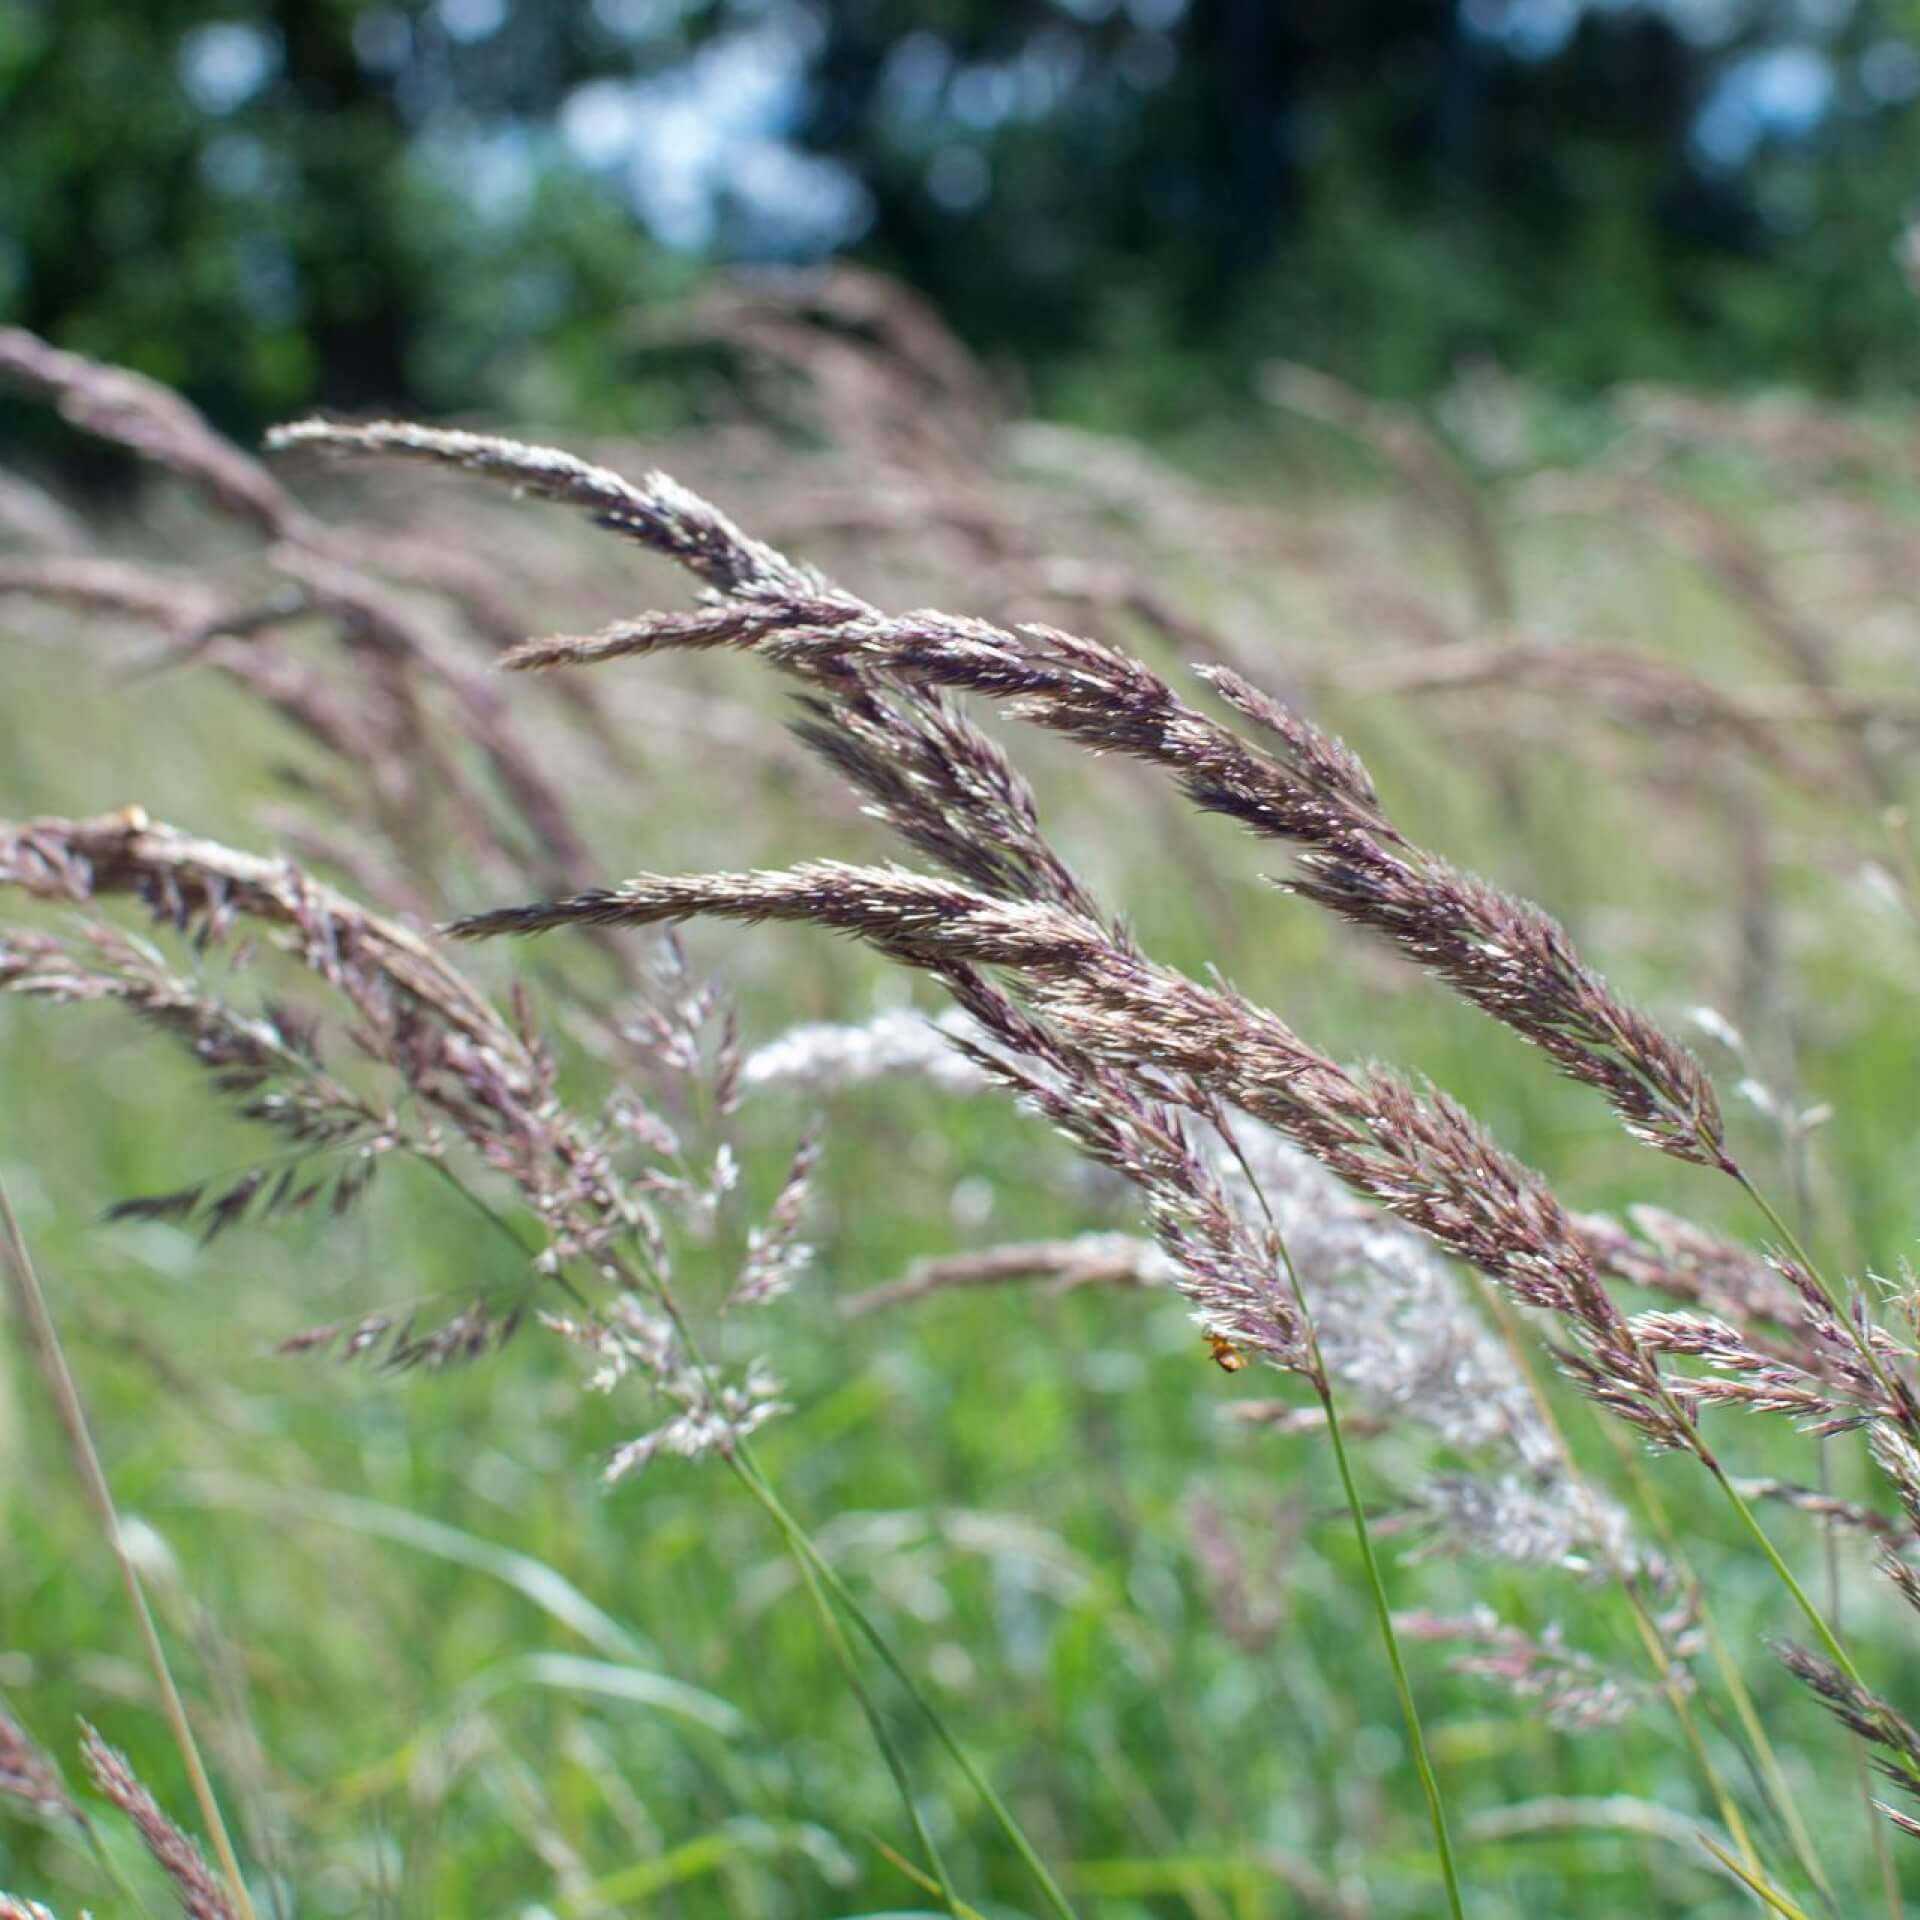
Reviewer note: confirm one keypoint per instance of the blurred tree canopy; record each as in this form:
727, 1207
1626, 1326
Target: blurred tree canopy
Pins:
461, 203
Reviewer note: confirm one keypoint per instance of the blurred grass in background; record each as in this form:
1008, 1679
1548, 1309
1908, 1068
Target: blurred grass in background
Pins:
439, 1670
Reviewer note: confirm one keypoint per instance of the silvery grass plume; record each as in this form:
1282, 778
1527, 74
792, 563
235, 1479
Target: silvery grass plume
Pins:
823, 1057
1399, 1340
1395, 1325
478, 1088
1396, 1331
1575, 1692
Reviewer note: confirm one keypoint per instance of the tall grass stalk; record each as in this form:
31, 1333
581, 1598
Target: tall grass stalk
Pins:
1316, 1374
34, 1310
1778, 1790
942, 1882
1409, 1710
824, 1583
1776, 1902
1421, 1158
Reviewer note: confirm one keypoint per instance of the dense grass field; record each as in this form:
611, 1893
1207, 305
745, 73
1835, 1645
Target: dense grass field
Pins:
438, 1668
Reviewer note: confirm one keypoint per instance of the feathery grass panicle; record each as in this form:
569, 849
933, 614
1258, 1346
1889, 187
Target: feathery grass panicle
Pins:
776, 1254
1574, 1691
1854, 1706
1301, 1208
474, 1077
200, 1895
28, 1774
191, 883
1501, 953
658, 512
1420, 1157
1396, 1332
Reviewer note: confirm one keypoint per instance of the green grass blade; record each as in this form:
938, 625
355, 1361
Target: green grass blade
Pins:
1003, 1817
551, 1592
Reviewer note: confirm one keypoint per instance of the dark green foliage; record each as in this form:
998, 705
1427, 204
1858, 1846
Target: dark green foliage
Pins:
276, 202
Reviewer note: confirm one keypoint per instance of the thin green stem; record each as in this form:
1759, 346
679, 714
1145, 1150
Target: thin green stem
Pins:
803, 1542
1376, 1586
66, 1398
109, 1864
740, 1457
820, 1580
1882, 1840
1836, 1652
1659, 1655
1383, 1610
1814, 1617
1793, 1144
917, 1875
1862, 1782
1779, 1791
1410, 1712
486, 1210
1894, 1743
1778, 1902
876, 1721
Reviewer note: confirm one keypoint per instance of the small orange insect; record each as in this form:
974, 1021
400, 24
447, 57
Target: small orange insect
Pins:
1226, 1356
